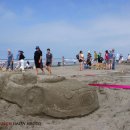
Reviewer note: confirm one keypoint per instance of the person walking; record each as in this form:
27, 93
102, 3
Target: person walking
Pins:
49, 57
10, 60
21, 59
38, 60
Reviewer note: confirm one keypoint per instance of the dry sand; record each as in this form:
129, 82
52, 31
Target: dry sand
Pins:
113, 114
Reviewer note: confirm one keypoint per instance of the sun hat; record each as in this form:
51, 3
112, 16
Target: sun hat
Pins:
9, 50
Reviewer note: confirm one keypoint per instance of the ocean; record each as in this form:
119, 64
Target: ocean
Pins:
56, 62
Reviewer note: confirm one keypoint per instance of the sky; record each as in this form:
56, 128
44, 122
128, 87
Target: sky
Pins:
64, 26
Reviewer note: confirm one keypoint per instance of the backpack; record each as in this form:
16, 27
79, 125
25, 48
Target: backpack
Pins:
101, 59
77, 56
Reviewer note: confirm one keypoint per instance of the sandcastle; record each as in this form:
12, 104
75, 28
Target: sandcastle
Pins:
99, 66
55, 96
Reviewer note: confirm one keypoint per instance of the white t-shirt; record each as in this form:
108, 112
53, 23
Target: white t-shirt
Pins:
117, 56
128, 57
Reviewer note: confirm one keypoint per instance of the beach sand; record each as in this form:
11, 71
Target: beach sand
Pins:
113, 114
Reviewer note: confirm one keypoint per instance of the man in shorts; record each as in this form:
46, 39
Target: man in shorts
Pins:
38, 60
110, 59
49, 57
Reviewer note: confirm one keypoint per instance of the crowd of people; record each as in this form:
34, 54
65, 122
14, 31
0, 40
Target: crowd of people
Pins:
37, 60
109, 59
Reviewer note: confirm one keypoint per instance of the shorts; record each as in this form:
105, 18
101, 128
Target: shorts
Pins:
110, 61
48, 64
89, 62
38, 65
107, 61
95, 59
80, 60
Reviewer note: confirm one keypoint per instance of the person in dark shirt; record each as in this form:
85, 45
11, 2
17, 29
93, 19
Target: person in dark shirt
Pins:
89, 59
49, 61
100, 58
21, 55
38, 60
21, 59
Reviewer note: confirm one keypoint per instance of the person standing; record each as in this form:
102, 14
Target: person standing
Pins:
63, 60
113, 59
38, 60
117, 58
89, 59
10, 60
49, 57
21, 59
110, 59
81, 60
107, 59
95, 56
17, 59
100, 58
128, 59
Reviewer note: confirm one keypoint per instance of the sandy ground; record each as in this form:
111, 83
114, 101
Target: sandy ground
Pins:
113, 114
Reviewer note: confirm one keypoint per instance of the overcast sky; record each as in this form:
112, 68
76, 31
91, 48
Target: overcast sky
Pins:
65, 26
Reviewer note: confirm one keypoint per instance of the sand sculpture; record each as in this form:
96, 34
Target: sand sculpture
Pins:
99, 66
51, 95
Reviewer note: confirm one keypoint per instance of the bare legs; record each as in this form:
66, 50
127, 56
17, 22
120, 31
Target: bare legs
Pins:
49, 69
107, 65
81, 66
37, 71
110, 65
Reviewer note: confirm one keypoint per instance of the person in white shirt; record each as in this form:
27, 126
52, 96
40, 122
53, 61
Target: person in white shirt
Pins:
27, 65
117, 58
128, 59
121, 59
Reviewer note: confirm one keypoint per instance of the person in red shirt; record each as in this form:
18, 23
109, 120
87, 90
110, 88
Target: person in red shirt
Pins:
107, 59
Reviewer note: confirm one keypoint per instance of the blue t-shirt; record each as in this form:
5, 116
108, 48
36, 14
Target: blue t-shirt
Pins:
110, 56
10, 57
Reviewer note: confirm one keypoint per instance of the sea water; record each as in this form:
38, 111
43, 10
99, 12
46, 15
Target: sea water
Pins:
56, 62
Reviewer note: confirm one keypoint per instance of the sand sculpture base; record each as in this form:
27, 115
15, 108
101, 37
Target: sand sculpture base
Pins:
51, 95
